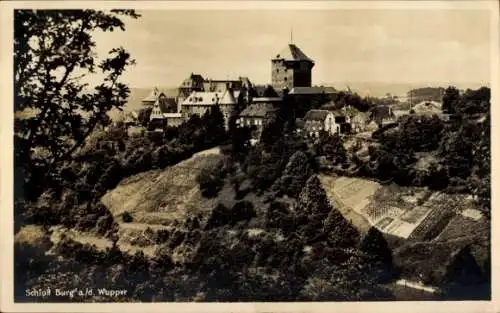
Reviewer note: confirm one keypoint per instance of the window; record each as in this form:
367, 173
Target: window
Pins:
284, 79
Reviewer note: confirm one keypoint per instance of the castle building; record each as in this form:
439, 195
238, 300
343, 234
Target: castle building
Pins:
195, 82
291, 68
200, 102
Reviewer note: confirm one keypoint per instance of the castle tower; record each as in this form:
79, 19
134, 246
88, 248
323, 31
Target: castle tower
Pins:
291, 68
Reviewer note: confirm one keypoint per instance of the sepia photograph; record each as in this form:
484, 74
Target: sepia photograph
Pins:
210, 153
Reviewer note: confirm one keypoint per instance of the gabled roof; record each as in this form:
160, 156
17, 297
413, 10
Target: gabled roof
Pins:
292, 53
428, 108
312, 90
258, 110
202, 98
153, 95
316, 115
210, 98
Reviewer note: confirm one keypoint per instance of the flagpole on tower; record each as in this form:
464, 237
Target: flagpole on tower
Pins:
291, 35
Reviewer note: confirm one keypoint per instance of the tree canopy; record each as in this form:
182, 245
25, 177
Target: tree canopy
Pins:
54, 52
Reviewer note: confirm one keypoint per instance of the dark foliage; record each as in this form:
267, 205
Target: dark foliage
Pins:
61, 112
298, 169
376, 251
211, 179
332, 147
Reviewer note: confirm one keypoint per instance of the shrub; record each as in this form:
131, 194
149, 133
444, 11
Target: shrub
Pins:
242, 211
126, 217
211, 179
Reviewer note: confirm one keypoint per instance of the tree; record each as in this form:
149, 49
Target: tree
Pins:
240, 142
314, 212
214, 124
450, 99
339, 232
55, 109
420, 133
474, 101
377, 252
144, 115
331, 147
211, 179
295, 175
463, 269
312, 199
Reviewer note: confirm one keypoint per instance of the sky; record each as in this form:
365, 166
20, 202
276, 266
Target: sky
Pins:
378, 46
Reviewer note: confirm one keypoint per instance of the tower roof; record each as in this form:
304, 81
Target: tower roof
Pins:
292, 53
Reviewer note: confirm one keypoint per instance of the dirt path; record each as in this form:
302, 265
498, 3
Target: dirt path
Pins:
404, 282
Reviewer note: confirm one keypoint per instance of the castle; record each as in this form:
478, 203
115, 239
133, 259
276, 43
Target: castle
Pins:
291, 68
291, 73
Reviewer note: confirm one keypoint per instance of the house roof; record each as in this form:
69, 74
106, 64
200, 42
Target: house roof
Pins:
292, 53
338, 112
428, 107
312, 90
260, 110
316, 115
209, 98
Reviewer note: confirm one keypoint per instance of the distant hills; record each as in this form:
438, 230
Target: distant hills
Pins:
380, 89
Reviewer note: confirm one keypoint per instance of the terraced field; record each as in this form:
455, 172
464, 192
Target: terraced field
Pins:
414, 213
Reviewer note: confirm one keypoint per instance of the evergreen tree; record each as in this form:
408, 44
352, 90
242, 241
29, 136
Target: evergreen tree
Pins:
463, 269
317, 219
215, 129
339, 232
295, 175
377, 253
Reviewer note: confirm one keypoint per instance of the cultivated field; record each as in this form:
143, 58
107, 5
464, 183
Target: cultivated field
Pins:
405, 212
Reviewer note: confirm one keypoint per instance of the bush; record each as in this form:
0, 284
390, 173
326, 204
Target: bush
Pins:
126, 217
211, 179
242, 211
